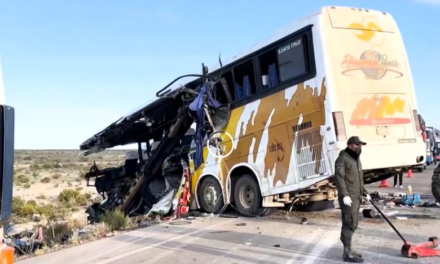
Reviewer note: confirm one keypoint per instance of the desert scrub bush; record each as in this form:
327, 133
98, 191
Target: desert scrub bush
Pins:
79, 188
46, 210
23, 208
46, 166
56, 176
35, 166
72, 197
35, 174
27, 158
69, 184
41, 196
45, 180
68, 194
27, 185
81, 200
22, 179
53, 234
116, 219
26, 209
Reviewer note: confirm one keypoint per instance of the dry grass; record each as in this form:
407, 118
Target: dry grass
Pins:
50, 191
49, 176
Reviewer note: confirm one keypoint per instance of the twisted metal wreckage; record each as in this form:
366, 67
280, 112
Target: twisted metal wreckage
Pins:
150, 184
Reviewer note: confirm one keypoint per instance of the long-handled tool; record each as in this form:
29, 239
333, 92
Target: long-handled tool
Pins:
414, 251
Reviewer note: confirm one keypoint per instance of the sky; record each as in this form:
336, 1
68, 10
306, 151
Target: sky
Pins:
72, 67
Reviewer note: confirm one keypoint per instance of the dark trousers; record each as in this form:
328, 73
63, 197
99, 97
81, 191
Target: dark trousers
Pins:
400, 178
350, 219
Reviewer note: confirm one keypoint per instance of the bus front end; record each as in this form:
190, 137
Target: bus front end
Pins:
372, 93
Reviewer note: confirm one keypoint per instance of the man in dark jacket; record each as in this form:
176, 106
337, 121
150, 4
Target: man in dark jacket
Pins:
350, 183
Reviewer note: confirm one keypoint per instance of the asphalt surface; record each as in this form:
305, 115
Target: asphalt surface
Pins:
276, 239
420, 183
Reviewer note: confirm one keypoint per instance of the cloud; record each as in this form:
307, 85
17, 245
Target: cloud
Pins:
428, 2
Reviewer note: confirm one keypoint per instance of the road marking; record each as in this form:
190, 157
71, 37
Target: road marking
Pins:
124, 243
319, 249
160, 243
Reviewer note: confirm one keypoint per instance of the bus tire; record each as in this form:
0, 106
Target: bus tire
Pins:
420, 169
247, 196
269, 211
210, 195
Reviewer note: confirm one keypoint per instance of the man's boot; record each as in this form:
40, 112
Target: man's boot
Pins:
358, 255
349, 256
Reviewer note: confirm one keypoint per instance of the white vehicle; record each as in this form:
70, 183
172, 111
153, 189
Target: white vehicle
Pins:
295, 99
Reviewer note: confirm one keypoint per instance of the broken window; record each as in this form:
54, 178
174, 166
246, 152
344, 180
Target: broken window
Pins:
219, 91
244, 80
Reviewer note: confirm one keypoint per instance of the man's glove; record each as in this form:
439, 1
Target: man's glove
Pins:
347, 200
368, 197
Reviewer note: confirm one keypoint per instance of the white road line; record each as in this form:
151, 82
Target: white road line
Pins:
159, 243
317, 251
125, 243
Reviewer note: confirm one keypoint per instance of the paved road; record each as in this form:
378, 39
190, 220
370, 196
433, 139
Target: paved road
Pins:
278, 239
420, 183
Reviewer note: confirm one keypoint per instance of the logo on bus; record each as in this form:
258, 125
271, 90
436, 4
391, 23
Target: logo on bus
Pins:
379, 110
369, 31
373, 64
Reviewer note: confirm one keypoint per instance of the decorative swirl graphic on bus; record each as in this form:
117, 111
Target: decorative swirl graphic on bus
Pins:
379, 110
373, 64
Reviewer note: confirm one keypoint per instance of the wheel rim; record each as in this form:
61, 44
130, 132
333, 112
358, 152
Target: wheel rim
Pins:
210, 195
247, 196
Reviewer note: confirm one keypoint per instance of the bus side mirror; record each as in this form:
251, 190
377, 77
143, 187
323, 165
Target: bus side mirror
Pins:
7, 122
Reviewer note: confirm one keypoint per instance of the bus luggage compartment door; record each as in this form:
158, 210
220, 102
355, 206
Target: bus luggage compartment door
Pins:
7, 123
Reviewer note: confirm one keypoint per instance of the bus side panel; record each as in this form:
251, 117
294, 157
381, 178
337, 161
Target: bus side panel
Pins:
7, 122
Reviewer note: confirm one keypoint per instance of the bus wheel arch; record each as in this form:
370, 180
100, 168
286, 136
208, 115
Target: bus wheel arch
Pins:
246, 193
209, 193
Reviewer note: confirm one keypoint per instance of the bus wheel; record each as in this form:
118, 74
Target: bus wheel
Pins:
247, 196
210, 195
269, 211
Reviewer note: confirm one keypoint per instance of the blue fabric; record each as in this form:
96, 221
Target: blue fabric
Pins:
412, 199
239, 94
273, 76
246, 86
197, 107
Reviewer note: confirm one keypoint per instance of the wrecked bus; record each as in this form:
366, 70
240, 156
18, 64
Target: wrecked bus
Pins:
288, 104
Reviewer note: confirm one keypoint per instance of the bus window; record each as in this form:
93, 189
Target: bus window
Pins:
244, 80
269, 69
292, 59
219, 92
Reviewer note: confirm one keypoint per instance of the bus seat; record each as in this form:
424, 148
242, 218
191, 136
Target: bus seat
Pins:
246, 86
238, 92
273, 76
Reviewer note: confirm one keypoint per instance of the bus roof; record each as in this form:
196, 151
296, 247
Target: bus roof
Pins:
154, 102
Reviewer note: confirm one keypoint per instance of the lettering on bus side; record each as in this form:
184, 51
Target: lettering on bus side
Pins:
276, 147
289, 46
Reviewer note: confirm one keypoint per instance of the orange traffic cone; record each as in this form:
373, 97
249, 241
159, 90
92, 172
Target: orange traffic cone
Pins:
409, 173
7, 255
384, 184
